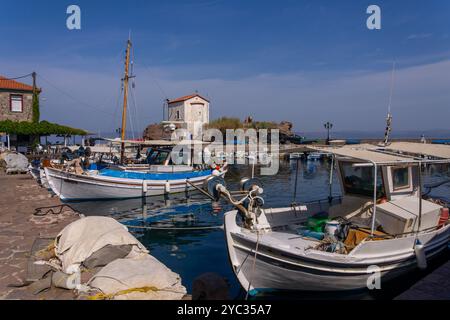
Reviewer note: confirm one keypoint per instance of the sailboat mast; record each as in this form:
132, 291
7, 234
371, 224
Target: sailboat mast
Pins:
389, 115
125, 100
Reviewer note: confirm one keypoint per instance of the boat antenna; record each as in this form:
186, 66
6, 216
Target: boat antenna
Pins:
125, 80
389, 115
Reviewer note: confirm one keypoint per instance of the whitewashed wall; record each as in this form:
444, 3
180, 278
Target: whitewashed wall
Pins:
194, 112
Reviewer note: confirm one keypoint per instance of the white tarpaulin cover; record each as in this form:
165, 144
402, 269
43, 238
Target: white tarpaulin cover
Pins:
80, 239
140, 278
16, 162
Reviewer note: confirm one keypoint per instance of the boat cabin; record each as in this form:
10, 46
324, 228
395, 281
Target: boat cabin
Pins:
384, 185
157, 156
393, 181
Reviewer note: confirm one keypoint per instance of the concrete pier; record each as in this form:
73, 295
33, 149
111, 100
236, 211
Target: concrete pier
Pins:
19, 197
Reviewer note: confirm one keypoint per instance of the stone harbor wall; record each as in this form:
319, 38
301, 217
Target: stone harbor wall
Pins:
19, 228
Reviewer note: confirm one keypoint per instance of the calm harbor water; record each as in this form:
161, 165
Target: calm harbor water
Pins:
184, 232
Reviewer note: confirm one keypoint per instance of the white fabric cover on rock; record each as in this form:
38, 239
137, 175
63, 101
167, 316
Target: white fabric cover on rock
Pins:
16, 162
80, 239
147, 271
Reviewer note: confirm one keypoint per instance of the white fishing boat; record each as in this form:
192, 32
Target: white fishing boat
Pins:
34, 170
159, 176
43, 179
38, 173
381, 226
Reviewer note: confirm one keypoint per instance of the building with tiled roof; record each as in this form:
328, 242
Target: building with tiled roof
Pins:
184, 98
16, 100
190, 112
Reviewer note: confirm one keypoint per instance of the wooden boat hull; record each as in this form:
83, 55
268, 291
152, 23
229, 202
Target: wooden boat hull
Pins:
71, 187
277, 269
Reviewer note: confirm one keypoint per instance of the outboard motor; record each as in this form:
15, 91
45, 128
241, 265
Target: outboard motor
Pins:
249, 206
80, 151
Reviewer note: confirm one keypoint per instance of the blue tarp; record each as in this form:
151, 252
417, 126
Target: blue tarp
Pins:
352, 141
441, 141
95, 166
154, 176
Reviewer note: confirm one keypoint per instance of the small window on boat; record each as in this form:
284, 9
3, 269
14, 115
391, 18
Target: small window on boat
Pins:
359, 180
400, 178
157, 157
161, 158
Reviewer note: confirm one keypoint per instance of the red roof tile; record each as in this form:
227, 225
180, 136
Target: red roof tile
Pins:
184, 98
5, 83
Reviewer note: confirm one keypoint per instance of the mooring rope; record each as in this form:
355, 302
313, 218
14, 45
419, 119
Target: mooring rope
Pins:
39, 211
253, 265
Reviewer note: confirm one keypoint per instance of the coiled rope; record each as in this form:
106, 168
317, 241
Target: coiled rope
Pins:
52, 209
104, 296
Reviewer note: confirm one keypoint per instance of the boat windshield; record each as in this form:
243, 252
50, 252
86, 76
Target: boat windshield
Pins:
157, 156
359, 180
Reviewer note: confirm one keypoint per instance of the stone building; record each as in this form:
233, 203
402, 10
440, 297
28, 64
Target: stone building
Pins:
16, 100
189, 112
16, 104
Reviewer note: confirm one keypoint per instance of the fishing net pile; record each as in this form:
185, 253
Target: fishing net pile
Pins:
99, 259
14, 162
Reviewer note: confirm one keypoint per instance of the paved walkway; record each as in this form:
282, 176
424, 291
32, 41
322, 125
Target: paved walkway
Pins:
20, 195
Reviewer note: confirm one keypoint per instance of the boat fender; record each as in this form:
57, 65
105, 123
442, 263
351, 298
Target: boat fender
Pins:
253, 292
144, 186
210, 286
420, 255
443, 217
167, 187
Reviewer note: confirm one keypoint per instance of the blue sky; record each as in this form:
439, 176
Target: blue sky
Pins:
302, 61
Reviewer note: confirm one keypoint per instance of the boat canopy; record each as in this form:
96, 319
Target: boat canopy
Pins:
158, 142
164, 176
426, 149
396, 153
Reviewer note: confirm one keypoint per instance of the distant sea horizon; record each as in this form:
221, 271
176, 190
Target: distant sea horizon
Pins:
343, 134
355, 134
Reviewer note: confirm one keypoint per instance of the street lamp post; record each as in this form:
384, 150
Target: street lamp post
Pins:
328, 126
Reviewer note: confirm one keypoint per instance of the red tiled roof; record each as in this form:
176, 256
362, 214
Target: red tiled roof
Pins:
5, 83
184, 98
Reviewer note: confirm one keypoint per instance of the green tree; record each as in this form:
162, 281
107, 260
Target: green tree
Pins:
36, 112
225, 123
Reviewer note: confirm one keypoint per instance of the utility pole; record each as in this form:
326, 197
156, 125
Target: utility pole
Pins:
33, 75
35, 113
328, 126
125, 79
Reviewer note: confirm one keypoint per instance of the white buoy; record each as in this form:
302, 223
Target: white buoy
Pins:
167, 187
144, 187
420, 255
